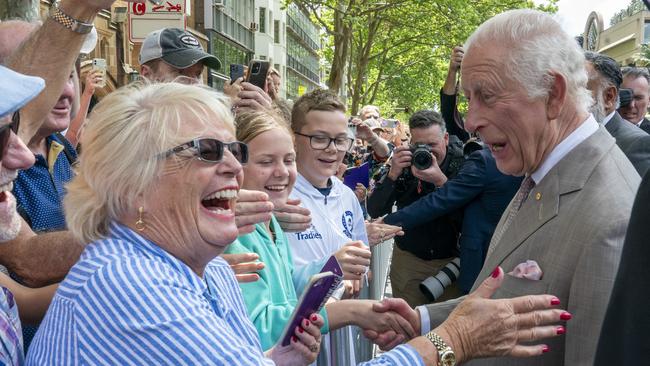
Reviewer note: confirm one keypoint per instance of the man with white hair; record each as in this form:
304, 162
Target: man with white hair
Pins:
563, 232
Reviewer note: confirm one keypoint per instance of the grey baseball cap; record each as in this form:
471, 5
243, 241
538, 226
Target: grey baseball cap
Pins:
176, 47
16, 90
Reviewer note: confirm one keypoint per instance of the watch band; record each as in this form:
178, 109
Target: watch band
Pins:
69, 22
446, 356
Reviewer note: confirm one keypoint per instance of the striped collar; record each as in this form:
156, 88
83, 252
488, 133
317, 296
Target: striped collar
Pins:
120, 232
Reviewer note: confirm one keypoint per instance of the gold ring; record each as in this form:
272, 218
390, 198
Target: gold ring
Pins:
313, 348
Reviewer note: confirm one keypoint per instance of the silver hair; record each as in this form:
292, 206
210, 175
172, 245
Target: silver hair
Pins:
536, 46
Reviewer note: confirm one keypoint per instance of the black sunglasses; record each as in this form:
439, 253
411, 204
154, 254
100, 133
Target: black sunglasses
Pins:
5, 133
211, 150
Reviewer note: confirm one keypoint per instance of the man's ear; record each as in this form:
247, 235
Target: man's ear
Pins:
610, 95
556, 96
146, 71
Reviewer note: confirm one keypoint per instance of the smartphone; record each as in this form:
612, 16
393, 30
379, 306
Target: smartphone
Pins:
100, 64
313, 298
390, 123
236, 72
257, 72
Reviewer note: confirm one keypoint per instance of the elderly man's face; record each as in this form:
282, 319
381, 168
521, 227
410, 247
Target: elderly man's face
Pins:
515, 127
59, 117
16, 156
636, 110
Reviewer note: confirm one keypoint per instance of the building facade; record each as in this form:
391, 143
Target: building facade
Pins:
624, 39
303, 45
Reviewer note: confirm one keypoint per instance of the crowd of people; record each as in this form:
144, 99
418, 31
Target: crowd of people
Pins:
177, 224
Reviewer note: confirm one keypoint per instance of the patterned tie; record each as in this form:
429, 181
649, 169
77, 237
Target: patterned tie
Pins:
526, 186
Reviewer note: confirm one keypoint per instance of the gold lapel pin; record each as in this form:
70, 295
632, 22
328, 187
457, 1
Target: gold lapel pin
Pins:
538, 196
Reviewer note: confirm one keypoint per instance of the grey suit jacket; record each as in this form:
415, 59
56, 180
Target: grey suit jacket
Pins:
634, 142
573, 224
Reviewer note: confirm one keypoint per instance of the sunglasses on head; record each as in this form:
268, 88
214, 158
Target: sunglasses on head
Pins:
211, 150
5, 133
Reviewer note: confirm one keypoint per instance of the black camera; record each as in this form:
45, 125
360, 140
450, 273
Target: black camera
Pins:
625, 96
422, 158
434, 286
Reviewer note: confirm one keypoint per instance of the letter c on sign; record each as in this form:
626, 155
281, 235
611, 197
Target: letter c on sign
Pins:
139, 8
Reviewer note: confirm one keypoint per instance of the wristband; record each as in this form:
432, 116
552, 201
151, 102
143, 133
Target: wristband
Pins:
69, 22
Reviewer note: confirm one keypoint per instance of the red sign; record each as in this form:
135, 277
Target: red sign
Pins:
139, 8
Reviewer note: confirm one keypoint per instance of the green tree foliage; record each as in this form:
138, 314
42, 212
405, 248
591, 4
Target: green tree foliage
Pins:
395, 53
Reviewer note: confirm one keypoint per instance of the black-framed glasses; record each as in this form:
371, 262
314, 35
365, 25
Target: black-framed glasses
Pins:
211, 150
5, 133
321, 142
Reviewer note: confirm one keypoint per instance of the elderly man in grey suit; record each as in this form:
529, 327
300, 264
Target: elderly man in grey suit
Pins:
605, 78
525, 82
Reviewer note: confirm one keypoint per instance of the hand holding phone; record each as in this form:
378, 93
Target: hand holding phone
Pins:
257, 73
99, 64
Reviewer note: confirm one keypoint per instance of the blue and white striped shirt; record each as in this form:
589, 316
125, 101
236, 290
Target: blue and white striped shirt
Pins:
128, 302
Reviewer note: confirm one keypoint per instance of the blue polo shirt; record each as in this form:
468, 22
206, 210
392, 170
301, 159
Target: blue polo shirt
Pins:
39, 190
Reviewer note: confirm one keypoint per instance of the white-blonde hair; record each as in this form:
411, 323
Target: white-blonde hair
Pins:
536, 46
124, 144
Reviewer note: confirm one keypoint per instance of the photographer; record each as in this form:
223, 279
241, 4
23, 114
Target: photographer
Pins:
414, 172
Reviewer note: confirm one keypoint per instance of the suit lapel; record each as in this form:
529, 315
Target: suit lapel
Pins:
543, 204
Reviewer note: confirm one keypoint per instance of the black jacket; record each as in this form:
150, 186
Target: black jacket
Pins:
434, 239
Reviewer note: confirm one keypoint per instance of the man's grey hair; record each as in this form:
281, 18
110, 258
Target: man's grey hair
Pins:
366, 108
536, 46
636, 72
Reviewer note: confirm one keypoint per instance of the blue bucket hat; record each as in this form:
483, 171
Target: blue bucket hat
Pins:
16, 90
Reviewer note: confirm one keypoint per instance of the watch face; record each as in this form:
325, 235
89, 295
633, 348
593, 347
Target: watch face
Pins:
448, 358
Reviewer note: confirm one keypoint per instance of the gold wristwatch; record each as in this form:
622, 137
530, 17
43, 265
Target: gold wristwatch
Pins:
446, 356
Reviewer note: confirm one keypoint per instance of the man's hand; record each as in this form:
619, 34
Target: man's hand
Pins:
232, 89
387, 340
401, 159
252, 207
456, 58
364, 131
432, 174
292, 217
354, 259
360, 191
244, 265
252, 97
378, 232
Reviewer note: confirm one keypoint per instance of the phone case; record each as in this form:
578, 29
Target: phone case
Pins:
313, 298
257, 74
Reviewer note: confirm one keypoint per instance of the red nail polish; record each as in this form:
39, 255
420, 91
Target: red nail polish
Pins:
496, 272
294, 338
300, 330
560, 330
306, 323
565, 316
545, 349
555, 301
314, 318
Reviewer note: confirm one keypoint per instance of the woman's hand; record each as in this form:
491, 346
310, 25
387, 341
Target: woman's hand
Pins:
378, 232
292, 217
92, 82
354, 259
481, 327
244, 265
304, 346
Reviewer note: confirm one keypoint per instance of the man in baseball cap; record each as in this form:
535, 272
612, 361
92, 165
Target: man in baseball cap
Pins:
172, 52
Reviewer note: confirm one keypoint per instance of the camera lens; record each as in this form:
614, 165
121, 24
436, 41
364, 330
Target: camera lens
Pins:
422, 159
256, 68
434, 286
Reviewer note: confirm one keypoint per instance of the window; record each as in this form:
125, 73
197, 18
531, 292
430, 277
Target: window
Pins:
262, 20
276, 31
646, 33
262, 57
